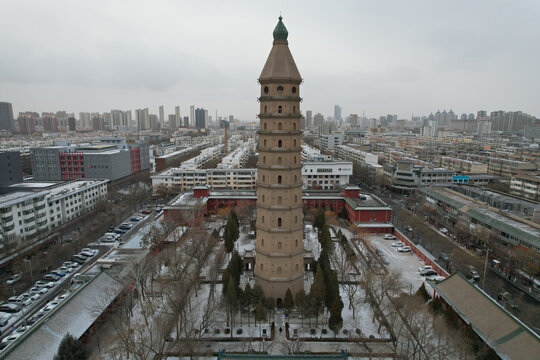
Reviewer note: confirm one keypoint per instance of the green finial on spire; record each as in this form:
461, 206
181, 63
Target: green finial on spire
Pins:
280, 32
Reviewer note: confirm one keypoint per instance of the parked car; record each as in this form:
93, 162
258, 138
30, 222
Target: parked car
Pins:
13, 279
124, 227
146, 212
10, 308
111, 229
428, 272
389, 237
404, 249
78, 260
35, 296
51, 277
443, 230
31, 320
136, 218
425, 267
11, 338
436, 278
444, 256
398, 244
408, 228
4, 319
87, 254
65, 269
42, 284
92, 251
120, 231
127, 225
58, 272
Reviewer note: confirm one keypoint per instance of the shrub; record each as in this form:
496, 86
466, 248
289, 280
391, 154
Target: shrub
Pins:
324, 331
239, 331
312, 331
358, 331
227, 331
345, 331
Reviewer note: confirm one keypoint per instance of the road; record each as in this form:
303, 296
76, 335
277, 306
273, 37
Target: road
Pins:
460, 258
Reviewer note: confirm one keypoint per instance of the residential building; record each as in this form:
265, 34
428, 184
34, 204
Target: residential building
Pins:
162, 116
11, 165
405, 175
337, 112
354, 154
6, 116
309, 118
143, 119
464, 166
526, 185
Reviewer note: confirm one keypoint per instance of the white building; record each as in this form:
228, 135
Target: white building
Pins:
238, 157
353, 154
182, 179
330, 141
326, 175
203, 158
27, 216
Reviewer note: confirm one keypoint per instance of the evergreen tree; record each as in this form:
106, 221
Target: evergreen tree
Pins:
320, 220
258, 293
260, 311
336, 321
343, 214
225, 280
288, 302
324, 237
228, 237
71, 349
300, 301
317, 292
332, 289
234, 217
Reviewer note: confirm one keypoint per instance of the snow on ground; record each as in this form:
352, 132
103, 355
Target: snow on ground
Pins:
406, 264
311, 241
362, 321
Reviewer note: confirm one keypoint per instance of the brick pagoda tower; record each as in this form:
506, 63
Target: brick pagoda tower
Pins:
279, 262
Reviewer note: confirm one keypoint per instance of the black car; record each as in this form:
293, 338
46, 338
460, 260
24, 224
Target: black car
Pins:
111, 229
124, 227
77, 260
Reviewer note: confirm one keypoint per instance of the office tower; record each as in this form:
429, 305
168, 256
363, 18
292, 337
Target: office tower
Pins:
11, 165
337, 112
309, 118
143, 119
6, 116
279, 263
201, 116
172, 122
178, 117
192, 115
354, 119
318, 119
162, 117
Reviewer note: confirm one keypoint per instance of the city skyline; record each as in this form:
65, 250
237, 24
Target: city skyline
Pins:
402, 59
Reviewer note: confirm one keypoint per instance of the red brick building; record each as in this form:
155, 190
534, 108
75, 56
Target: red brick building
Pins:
365, 211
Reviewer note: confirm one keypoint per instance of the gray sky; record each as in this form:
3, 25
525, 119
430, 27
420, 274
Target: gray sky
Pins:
399, 57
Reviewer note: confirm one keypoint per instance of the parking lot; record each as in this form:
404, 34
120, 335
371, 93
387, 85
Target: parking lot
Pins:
21, 311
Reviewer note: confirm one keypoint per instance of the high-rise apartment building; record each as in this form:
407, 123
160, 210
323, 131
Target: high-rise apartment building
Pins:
201, 118
318, 119
162, 117
85, 120
337, 112
192, 115
6, 116
143, 119
279, 261
354, 119
309, 118
178, 117
172, 122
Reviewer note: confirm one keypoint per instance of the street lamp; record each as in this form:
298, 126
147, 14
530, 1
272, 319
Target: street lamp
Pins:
30, 262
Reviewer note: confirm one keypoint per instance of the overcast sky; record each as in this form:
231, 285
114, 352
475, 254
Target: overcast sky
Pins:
398, 57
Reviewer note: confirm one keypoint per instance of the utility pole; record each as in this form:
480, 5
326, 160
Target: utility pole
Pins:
485, 269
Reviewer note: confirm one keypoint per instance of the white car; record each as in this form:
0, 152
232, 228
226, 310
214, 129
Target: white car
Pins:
404, 249
13, 279
443, 230
425, 267
436, 278
65, 269
88, 250
398, 244
389, 237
